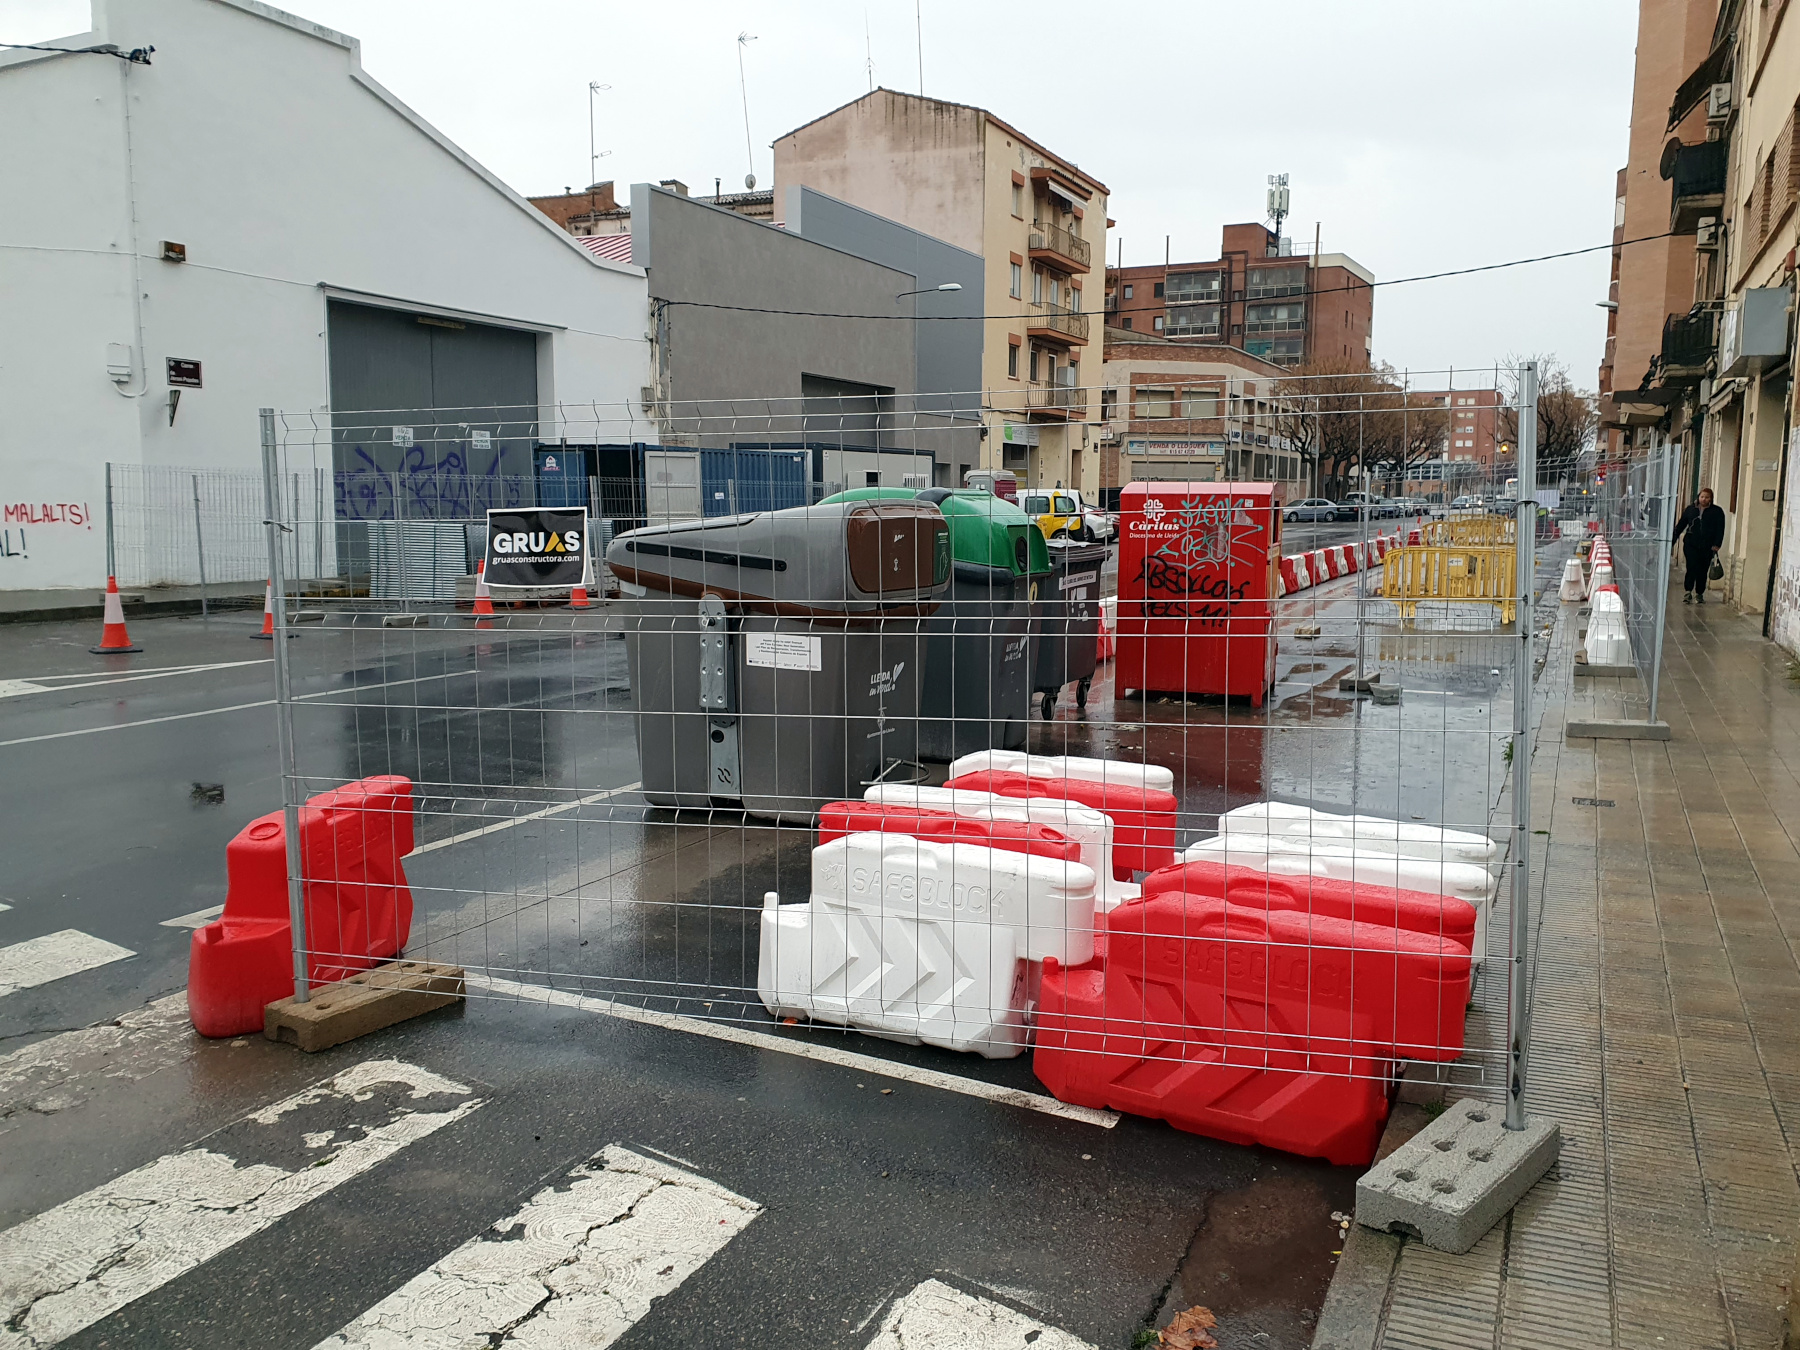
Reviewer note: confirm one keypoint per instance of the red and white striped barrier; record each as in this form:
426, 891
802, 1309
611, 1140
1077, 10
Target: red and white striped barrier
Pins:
1302, 571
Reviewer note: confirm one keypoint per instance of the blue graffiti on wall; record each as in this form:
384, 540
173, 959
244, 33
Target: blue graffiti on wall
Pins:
430, 482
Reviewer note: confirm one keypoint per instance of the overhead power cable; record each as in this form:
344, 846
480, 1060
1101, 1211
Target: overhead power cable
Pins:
137, 56
1297, 295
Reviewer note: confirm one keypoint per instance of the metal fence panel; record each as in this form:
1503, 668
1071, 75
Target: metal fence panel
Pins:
575, 829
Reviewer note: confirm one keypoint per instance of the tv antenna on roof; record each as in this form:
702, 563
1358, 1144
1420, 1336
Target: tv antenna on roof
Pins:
744, 40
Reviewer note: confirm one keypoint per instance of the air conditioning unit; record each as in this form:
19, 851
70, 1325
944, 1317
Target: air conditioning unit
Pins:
1706, 234
1718, 102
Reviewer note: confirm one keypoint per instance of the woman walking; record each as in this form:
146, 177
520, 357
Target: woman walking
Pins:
1704, 525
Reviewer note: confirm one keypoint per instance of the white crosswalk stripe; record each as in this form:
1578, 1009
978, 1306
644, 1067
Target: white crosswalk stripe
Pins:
198, 919
25, 965
577, 1266
935, 1316
83, 1260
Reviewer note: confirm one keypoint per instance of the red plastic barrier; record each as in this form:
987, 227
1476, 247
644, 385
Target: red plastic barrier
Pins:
1338, 1118
1290, 575
1143, 818
358, 905
1320, 563
1359, 901
837, 819
1271, 1028
1610, 586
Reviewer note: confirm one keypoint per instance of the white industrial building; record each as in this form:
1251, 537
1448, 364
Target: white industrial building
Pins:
242, 218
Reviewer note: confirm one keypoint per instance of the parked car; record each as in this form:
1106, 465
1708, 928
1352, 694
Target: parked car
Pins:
1503, 506
1312, 509
1058, 513
1464, 503
1359, 506
1102, 525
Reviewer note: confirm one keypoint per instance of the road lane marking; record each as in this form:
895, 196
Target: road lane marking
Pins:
270, 703
69, 1267
511, 821
823, 1054
39, 960
578, 1265
142, 722
27, 687
935, 1314
198, 919
61, 1072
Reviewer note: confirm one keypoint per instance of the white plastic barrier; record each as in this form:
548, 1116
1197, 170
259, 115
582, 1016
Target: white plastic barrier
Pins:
1090, 830
1366, 834
1281, 856
1574, 585
1303, 576
924, 942
1123, 772
1608, 641
1603, 575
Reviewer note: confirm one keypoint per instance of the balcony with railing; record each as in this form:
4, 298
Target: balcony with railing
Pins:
1688, 344
1057, 324
1066, 400
1052, 244
1696, 175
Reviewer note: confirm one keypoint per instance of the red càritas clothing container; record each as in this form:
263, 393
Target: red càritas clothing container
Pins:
1199, 573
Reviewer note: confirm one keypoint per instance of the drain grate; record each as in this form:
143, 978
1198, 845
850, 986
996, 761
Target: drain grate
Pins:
1592, 801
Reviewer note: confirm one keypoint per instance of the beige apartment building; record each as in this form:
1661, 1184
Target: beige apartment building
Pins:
1192, 412
1039, 223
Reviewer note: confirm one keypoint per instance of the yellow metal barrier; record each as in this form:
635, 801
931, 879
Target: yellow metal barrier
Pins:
1424, 572
1481, 531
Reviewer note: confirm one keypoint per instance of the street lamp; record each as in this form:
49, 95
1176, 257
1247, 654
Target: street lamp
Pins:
947, 286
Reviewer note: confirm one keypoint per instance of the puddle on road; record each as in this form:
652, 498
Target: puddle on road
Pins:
1263, 1260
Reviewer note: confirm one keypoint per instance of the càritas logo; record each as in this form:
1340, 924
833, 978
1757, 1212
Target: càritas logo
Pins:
1154, 509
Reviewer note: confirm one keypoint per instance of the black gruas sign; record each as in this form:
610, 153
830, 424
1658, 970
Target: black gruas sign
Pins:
538, 547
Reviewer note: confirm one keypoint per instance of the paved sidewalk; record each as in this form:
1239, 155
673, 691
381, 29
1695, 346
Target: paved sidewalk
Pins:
1666, 1037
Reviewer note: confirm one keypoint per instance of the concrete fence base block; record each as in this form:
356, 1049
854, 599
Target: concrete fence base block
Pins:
377, 998
1455, 1178
1616, 729
1595, 669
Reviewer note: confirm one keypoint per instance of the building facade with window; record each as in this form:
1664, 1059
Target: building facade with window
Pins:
596, 212
962, 175
1191, 412
1289, 309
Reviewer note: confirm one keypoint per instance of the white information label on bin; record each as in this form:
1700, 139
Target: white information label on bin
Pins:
1075, 579
783, 651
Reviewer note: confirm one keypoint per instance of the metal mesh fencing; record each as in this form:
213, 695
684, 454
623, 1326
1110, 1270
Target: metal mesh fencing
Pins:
1170, 811
1637, 511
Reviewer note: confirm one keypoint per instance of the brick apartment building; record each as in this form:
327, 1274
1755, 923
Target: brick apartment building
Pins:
1288, 309
596, 210
1472, 455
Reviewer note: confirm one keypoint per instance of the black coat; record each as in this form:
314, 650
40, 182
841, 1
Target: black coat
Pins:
1705, 530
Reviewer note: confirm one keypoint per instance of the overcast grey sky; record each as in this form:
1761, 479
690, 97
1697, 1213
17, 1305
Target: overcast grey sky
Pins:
1423, 135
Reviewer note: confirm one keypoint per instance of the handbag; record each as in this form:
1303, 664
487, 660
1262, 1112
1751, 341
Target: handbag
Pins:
1716, 572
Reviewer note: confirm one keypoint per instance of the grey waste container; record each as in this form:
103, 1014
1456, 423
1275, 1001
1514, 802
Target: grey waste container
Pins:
978, 663
775, 659
1066, 630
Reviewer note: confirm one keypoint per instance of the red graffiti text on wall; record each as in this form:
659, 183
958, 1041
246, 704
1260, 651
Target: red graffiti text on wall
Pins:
47, 513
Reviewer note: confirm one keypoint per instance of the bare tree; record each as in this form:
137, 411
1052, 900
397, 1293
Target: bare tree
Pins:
1568, 418
1344, 417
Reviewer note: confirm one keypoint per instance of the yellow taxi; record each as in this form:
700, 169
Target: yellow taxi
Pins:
1058, 513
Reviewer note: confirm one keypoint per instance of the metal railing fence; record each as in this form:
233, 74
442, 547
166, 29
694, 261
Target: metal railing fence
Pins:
661, 800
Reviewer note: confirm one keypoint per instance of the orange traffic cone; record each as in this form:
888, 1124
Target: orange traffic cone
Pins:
113, 638
578, 597
268, 628
484, 598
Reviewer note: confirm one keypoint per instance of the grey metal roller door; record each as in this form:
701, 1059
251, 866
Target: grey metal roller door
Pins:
444, 383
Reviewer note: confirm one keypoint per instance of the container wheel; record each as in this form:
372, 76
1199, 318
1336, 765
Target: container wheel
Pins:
1081, 692
1048, 709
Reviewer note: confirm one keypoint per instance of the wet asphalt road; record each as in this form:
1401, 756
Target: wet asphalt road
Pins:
866, 1193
